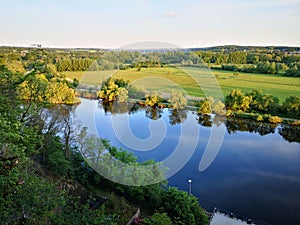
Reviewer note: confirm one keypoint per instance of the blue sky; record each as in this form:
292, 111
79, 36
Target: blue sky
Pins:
114, 23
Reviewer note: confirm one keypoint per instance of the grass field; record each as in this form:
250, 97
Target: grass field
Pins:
196, 82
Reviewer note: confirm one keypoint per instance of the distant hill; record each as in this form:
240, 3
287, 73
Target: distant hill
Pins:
234, 48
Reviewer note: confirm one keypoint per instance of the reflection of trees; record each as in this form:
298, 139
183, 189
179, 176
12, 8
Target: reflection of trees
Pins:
219, 120
135, 107
120, 108
177, 116
290, 133
236, 124
153, 113
205, 120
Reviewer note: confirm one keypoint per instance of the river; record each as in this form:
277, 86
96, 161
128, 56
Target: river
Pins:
254, 173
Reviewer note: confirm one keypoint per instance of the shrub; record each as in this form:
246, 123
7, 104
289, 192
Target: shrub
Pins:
259, 118
275, 119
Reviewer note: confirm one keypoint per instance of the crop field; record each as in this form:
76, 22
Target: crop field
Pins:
196, 82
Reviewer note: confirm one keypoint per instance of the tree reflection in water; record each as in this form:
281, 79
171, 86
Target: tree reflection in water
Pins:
120, 108
177, 116
237, 124
153, 113
205, 120
288, 132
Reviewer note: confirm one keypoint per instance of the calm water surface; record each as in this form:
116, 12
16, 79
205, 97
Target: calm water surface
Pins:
256, 173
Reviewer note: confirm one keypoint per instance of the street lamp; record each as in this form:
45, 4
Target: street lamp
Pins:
190, 187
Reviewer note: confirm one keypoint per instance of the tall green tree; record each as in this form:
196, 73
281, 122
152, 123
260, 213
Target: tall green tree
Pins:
237, 101
263, 102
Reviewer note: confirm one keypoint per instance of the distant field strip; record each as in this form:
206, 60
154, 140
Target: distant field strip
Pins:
196, 81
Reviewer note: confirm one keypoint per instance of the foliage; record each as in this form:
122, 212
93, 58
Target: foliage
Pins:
76, 64
153, 99
275, 119
259, 118
59, 92
293, 71
30, 203
262, 102
205, 106
291, 106
218, 107
144, 179
119, 207
26, 195
123, 95
177, 100
36, 87
53, 155
266, 67
182, 208
158, 218
236, 101
111, 91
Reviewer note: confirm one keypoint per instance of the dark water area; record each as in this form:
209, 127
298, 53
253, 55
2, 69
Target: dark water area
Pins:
255, 173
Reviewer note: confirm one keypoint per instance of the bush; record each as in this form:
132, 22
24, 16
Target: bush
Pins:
158, 218
259, 118
182, 208
275, 119
229, 113
229, 67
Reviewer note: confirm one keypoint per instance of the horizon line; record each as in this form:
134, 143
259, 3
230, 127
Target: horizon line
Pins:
121, 48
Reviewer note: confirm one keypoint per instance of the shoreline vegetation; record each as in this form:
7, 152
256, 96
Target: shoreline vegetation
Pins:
254, 105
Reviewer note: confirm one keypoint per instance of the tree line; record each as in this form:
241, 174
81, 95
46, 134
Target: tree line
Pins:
240, 59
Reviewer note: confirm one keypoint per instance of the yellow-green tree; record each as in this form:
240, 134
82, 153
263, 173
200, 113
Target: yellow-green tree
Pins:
237, 101
33, 88
153, 99
59, 92
177, 100
205, 105
110, 91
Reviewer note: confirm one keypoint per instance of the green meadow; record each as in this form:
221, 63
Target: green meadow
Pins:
196, 82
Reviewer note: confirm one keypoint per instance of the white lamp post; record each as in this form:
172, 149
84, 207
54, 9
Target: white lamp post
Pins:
190, 187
